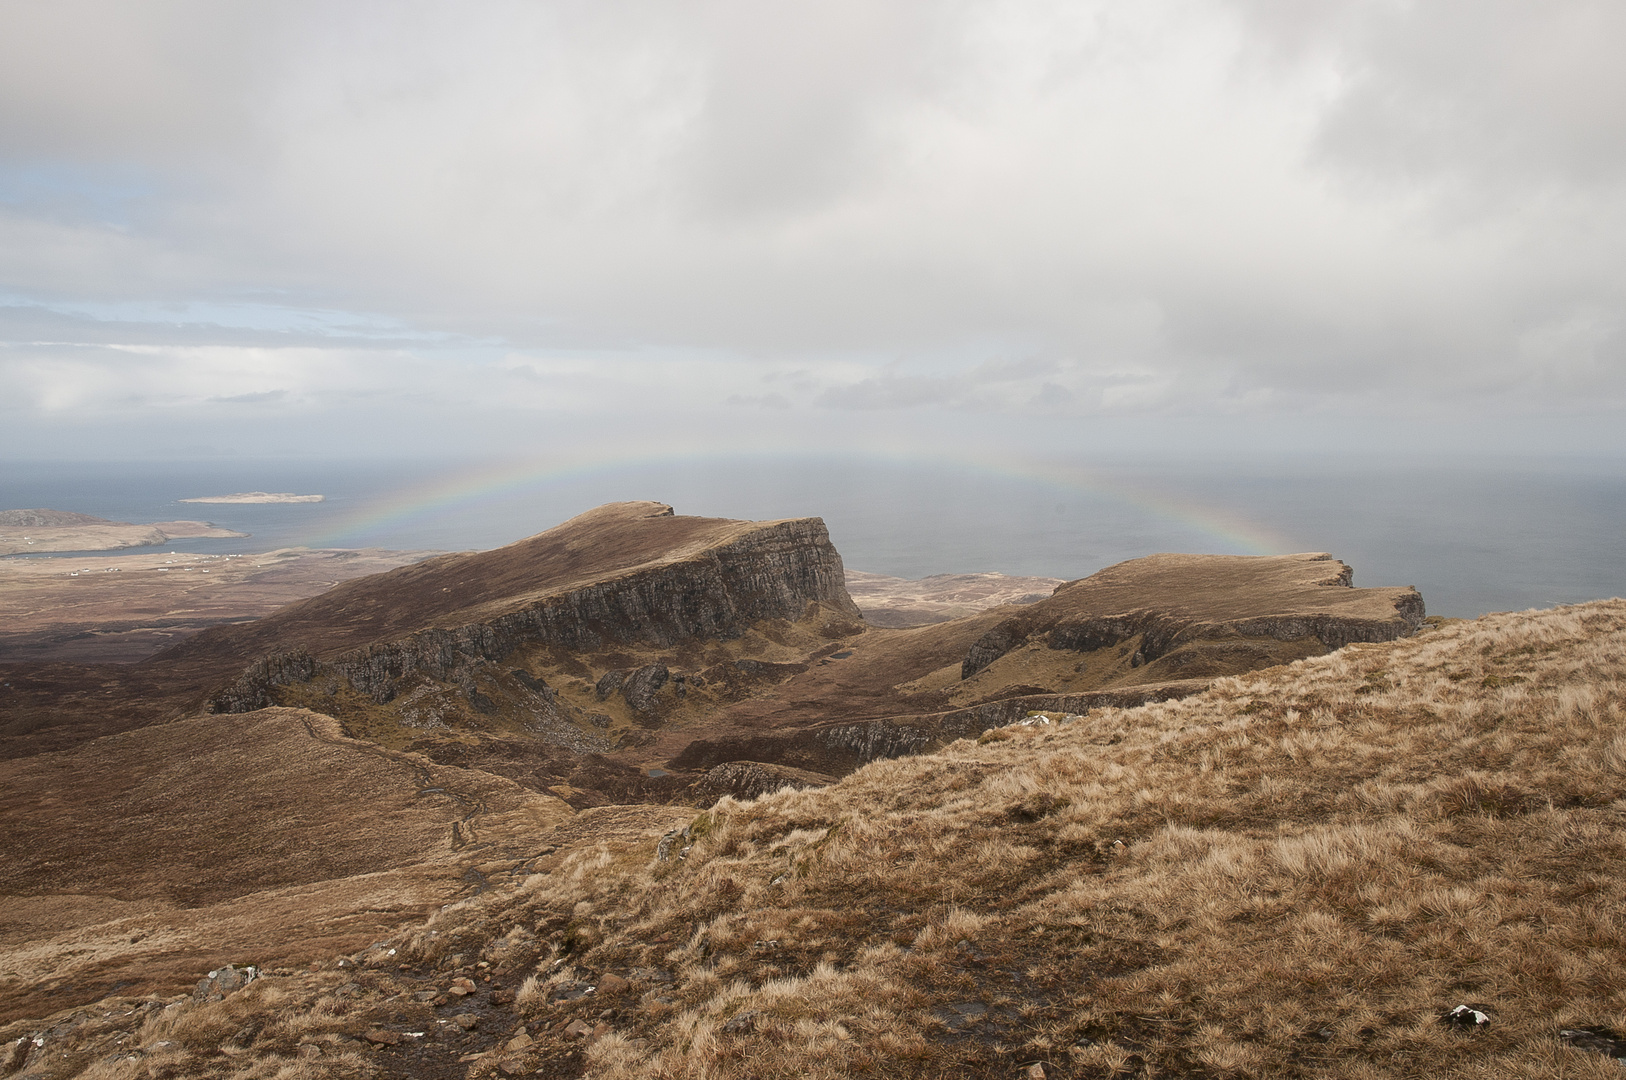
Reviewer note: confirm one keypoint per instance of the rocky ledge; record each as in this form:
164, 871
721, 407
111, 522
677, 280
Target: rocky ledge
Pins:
625, 573
1170, 600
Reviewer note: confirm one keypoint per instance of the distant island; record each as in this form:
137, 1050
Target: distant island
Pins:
257, 497
62, 530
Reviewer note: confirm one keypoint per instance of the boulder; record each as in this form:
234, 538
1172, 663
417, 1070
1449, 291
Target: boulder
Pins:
642, 686
751, 779
222, 981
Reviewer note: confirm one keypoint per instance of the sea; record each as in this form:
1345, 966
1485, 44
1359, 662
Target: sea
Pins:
1473, 537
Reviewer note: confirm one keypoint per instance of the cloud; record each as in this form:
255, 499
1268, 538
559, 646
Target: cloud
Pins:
760, 401
257, 398
1249, 208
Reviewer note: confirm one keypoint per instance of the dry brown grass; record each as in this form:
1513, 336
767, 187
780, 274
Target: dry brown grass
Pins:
1295, 873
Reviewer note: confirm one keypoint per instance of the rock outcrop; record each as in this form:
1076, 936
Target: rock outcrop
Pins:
626, 573
750, 779
1169, 600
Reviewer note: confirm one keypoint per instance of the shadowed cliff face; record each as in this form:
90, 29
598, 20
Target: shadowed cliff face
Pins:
624, 574
737, 642
1149, 629
1169, 600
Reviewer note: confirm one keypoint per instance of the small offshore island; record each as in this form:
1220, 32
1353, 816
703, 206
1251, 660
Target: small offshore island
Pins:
258, 497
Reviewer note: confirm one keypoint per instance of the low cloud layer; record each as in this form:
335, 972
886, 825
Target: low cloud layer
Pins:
362, 226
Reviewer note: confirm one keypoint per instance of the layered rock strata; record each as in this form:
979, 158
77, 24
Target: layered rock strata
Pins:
678, 578
1169, 600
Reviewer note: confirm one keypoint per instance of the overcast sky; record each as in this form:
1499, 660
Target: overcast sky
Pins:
290, 228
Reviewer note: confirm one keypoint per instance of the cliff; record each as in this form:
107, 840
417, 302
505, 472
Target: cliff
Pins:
1170, 600
623, 574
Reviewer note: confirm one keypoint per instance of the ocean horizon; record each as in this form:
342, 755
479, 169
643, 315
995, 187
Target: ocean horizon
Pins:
1472, 538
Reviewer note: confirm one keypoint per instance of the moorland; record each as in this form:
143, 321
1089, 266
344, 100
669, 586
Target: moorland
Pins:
647, 795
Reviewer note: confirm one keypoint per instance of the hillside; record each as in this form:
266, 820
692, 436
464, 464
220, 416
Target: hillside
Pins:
131, 861
672, 577
1299, 871
623, 655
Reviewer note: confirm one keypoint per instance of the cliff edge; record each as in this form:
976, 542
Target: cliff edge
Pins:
631, 573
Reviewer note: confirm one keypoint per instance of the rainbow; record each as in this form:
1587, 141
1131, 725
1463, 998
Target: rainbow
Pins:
465, 491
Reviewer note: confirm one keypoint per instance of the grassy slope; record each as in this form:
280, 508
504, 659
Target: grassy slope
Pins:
1295, 873
1317, 861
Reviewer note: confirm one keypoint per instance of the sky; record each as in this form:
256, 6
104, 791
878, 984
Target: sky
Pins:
967, 226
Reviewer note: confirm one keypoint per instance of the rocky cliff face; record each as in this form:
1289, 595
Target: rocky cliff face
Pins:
712, 587
1169, 600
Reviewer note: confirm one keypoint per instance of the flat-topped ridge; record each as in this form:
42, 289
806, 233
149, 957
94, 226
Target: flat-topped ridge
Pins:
625, 572
1170, 598
603, 545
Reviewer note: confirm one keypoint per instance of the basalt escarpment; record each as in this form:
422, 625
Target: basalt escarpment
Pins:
1166, 601
1150, 629
627, 574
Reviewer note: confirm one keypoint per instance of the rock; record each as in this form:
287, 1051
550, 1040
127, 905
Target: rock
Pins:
577, 1030
461, 987
664, 851
519, 1042
381, 1037
642, 686
1600, 1040
511, 1067
1467, 1017
502, 997
16, 1055
466, 1021
751, 779
572, 991
610, 983
222, 981
1170, 600
743, 1024
609, 683
1034, 1072
691, 578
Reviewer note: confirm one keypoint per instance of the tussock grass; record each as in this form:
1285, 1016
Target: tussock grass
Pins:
1295, 873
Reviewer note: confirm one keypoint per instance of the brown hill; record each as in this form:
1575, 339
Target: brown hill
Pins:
1144, 630
625, 571
626, 653
132, 861
1305, 870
